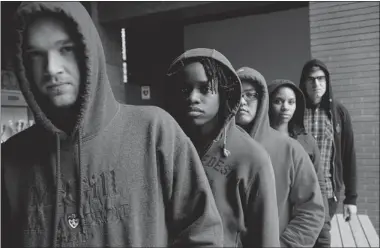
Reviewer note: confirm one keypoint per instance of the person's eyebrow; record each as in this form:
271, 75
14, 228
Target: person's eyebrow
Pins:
63, 42
202, 82
32, 49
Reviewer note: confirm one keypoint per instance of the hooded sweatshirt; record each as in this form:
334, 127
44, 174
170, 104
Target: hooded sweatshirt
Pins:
344, 156
298, 132
126, 176
297, 129
239, 170
299, 199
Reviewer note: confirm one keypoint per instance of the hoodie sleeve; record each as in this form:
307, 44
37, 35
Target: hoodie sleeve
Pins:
263, 224
308, 209
5, 213
194, 218
348, 157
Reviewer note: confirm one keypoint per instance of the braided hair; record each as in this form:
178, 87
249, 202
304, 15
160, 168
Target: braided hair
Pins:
215, 74
219, 79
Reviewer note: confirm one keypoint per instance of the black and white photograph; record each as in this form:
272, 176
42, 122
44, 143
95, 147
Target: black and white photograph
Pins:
190, 124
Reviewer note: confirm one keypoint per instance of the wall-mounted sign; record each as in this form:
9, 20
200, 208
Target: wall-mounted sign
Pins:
145, 92
12, 98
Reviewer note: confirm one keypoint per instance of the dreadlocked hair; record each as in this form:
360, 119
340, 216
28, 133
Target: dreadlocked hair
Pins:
219, 80
215, 74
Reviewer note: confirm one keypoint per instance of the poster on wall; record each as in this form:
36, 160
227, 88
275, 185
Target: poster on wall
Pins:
145, 92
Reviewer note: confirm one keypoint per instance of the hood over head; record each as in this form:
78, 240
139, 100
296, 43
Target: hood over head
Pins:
296, 125
96, 104
260, 125
327, 97
229, 88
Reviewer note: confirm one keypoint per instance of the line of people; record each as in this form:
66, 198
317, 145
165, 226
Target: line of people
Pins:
233, 165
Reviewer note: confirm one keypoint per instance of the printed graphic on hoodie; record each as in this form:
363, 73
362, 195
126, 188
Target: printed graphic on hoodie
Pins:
218, 163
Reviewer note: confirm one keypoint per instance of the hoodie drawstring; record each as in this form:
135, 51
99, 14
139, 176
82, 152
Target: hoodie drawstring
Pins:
226, 152
79, 201
58, 173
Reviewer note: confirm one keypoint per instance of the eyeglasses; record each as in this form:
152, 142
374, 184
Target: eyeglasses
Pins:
250, 96
319, 79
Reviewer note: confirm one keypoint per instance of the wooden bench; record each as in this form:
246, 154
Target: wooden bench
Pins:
359, 232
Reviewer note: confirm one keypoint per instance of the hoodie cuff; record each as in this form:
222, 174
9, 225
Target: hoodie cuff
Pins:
350, 200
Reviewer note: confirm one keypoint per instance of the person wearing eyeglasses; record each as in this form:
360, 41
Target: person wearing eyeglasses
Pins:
330, 124
301, 210
286, 114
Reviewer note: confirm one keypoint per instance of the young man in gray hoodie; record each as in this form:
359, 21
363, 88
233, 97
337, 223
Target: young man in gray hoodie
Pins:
92, 172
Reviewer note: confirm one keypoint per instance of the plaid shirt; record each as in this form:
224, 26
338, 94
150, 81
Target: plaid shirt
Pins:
318, 124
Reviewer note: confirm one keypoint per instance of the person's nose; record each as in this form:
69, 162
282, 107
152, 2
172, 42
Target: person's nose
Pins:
53, 64
194, 96
243, 101
315, 83
284, 107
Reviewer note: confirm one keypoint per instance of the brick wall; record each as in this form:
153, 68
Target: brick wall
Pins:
345, 35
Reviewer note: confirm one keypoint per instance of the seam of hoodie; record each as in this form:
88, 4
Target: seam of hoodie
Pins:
97, 173
99, 130
250, 183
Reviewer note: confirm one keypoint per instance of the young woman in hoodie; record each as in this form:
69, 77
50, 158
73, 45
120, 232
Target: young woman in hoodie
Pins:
204, 97
299, 198
286, 115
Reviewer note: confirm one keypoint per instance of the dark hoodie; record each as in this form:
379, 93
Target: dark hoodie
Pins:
299, 199
139, 180
239, 169
344, 157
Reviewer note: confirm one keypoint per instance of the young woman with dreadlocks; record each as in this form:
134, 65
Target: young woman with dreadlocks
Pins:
204, 97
